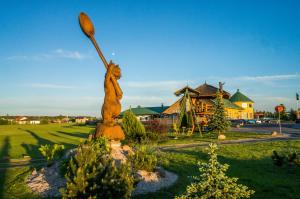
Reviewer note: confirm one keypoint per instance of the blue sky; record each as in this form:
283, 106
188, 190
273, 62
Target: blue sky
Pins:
48, 67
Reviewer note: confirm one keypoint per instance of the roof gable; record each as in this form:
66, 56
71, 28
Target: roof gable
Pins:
158, 109
141, 111
240, 97
209, 90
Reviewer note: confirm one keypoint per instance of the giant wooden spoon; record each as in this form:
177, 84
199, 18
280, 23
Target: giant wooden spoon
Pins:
88, 28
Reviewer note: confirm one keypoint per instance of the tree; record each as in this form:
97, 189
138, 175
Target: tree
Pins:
133, 128
92, 173
293, 115
218, 122
213, 182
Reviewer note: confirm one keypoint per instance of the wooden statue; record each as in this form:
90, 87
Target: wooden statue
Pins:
113, 94
221, 84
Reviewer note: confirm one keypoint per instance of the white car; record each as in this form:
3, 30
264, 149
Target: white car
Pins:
258, 121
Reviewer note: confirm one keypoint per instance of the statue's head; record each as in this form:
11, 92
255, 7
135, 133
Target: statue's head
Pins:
116, 70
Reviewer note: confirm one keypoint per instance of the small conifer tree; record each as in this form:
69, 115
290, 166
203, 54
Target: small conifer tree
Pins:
218, 122
213, 182
92, 173
133, 128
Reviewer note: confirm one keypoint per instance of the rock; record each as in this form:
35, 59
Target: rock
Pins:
152, 181
128, 150
118, 153
47, 181
161, 172
274, 133
147, 176
221, 137
34, 172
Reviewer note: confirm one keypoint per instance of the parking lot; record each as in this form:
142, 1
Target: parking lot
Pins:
290, 129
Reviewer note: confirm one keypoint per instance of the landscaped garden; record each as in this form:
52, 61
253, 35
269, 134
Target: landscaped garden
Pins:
250, 162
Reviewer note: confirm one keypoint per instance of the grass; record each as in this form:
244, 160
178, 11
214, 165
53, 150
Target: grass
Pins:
209, 137
19, 140
251, 163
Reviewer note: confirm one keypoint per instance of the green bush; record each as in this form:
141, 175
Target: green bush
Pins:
44, 121
3, 121
218, 121
92, 173
213, 182
144, 158
285, 157
133, 128
52, 152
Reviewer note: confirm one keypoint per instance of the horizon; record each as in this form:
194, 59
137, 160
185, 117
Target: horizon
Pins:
48, 67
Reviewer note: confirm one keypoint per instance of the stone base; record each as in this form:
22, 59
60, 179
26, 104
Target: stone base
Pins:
110, 132
120, 153
274, 133
221, 137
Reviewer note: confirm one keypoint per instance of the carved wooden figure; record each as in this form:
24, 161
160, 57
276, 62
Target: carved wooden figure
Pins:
113, 94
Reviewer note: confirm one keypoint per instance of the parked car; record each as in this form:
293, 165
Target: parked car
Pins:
250, 121
237, 123
268, 120
258, 121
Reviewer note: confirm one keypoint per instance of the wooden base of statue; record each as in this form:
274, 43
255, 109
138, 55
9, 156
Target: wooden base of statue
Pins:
114, 132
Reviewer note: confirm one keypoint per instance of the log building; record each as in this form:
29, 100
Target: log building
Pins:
237, 106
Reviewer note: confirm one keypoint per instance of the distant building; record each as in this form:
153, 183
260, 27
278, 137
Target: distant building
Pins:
21, 120
147, 113
237, 106
34, 122
65, 120
81, 120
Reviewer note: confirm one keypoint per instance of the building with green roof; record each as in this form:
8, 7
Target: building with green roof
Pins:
146, 113
237, 106
245, 103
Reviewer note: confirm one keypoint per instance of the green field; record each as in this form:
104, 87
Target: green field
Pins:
251, 162
19, 140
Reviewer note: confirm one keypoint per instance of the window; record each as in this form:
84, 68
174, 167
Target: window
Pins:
250, 105
244, 105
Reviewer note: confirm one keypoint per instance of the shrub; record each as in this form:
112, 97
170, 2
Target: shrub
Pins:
143, 159
213, 182
51, 152
133, 128
278, 160
44, 121
155, 126
218, 121
92, 173
285, 157
3, 121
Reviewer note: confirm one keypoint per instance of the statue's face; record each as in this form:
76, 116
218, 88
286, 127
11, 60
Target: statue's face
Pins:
117, 72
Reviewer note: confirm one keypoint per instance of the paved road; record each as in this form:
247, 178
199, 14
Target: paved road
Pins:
290, 129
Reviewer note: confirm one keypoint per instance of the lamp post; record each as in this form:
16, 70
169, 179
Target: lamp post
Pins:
279, 109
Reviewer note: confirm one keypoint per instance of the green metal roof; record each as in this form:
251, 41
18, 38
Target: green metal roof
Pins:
240, 97
229, 104
141, 111
158, 109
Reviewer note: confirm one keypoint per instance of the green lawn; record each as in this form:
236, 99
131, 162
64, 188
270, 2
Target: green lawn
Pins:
251, 162
16, 140
209, 137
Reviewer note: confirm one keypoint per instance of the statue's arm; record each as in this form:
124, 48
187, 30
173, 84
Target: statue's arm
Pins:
108, 75
117, 87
